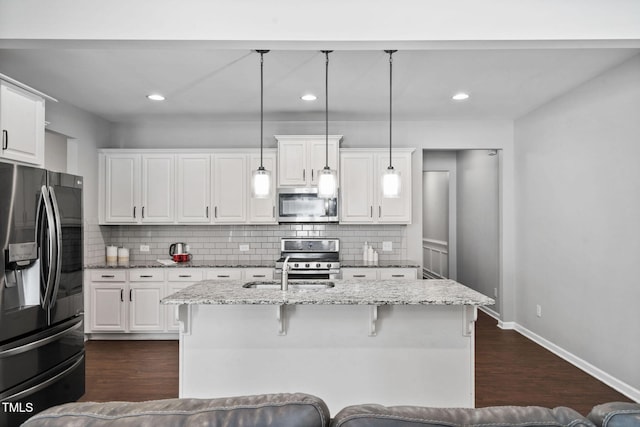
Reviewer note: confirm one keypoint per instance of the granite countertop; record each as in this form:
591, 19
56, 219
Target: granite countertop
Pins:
190, 264
345, 292
249, 264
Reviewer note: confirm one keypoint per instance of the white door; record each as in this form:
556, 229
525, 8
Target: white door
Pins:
22, 123
263, 211
194, 188
230, 179
145, 311
158, 188
394, 210
122, 182
292, 164
356, 187
108, 312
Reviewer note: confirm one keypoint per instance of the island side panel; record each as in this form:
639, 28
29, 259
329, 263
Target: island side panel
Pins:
420, 355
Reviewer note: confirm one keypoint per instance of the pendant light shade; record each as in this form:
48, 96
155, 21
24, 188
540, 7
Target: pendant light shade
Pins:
327, 177
391, 182
261, 178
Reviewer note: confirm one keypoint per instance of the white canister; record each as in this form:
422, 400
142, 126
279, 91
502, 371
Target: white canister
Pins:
112, 255
123, 256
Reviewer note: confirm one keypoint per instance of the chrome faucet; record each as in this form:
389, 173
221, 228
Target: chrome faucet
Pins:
285, 274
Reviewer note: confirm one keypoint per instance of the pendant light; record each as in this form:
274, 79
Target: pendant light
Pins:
390, 178
261, 178
327, 178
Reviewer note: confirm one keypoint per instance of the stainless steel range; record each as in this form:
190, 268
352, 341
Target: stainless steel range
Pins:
310, 258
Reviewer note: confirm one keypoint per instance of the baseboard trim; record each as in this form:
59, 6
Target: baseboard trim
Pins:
597, 373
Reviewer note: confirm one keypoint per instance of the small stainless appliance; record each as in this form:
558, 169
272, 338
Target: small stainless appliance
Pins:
304, 205
179, 252
310, 258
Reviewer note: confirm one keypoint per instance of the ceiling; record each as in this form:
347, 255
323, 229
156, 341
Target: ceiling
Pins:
224, 84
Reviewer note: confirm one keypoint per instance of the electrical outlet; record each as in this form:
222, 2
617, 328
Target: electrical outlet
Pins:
244, 248
144, 248
387, 246
538, 310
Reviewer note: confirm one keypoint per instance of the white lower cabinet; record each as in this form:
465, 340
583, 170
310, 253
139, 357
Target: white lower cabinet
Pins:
127, 301
379, 273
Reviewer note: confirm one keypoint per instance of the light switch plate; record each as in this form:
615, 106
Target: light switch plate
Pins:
244, 248
144, 248
387, 246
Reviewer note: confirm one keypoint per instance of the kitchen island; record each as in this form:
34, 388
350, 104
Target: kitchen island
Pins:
387, 342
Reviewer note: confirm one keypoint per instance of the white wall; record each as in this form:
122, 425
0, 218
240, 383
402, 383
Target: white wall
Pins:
88, 132
478, 223
55, 152
578, 204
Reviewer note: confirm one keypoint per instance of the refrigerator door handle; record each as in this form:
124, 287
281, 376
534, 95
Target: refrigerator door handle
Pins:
39, 342
58, 234
48, 277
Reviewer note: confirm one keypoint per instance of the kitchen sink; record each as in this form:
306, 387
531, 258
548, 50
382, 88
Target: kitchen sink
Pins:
293, 284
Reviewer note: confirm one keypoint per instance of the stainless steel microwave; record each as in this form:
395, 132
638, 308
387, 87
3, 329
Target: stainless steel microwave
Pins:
304, 205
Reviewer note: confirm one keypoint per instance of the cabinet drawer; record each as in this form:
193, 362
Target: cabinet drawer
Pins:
108, 275
184, 275
360, 273
224, 274
397, 273
259, 273
147, 275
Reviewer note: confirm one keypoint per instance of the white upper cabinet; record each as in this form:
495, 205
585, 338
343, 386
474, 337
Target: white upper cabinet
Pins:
193, 188
230, 178
121, 182
22, 125
137, 188
300, 157
361, 200
158, 181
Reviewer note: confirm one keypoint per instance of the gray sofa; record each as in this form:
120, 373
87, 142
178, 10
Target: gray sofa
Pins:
302, 410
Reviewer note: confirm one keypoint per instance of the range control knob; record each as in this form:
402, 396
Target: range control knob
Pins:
318, 265
306, 265
295, 265
328, 265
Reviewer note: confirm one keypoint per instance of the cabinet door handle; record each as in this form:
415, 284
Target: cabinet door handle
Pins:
359, 275
131, 295
184, 275
143, 212
134, 211
274, 211
5, 139
304, 174
121, 295
371, 211
397, 275
222, 275
108, 276
311, 174
258, 275
379, 211
215, 212
146, 276
207, 211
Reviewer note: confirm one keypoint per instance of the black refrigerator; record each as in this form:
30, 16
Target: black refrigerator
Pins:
41, 291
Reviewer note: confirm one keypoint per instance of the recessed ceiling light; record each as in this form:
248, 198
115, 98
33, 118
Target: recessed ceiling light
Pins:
460, 96
155, 97
309, 97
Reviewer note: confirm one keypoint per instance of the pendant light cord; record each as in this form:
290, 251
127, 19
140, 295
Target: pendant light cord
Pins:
261, 103
390, 103
326, 108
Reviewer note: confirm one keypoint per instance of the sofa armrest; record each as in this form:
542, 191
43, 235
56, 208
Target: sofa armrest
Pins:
616, 414
410, 416
286, 410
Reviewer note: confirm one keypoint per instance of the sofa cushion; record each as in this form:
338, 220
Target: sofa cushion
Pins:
288, 410
409, 416
616, 414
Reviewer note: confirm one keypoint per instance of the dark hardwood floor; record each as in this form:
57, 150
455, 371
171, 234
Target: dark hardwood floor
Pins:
510, 370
